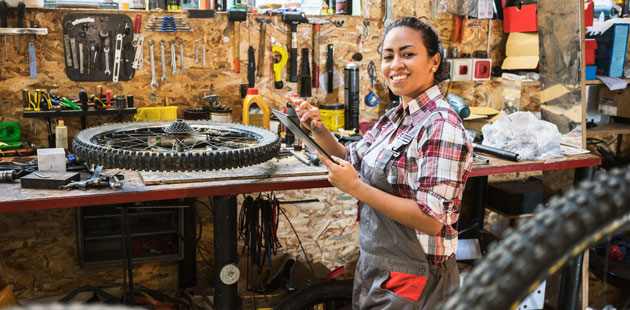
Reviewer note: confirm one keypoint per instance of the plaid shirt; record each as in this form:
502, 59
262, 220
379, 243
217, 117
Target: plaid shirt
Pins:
432, 170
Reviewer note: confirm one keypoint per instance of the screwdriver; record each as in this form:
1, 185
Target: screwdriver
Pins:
20, 20
3, 24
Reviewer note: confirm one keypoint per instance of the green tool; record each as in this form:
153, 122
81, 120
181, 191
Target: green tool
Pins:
10, 136
69, 103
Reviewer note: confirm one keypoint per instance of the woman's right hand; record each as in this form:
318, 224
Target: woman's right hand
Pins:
310, 117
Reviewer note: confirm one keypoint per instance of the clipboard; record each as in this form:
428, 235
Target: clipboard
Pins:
308, 141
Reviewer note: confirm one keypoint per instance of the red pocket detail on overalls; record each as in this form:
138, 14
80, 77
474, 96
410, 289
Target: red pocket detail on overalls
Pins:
406, 285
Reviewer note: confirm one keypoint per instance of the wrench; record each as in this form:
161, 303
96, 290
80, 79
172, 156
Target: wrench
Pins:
181, 55
173, 60
106, 52
137, 61
163, 61
154, 83
387, 19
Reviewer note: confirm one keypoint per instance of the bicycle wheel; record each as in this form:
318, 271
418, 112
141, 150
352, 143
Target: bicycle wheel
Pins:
332, 294
571, 223
175, 146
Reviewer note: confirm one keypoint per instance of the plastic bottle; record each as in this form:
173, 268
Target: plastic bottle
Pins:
255, 111
61, 135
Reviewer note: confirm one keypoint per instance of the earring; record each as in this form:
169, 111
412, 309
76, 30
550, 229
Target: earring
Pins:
433, 69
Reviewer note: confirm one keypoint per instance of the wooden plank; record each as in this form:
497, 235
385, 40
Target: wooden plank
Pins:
285, 167
561, 32
616, 128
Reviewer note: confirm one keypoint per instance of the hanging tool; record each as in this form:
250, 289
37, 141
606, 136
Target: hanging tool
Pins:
173, 59
138, 42
387, 19
330, 66
261, 44
154, 83
280, 59
3, 24
317, 23
21, 10
117, 57
371, 100
293, 19
203, 53
164, 77
305, 76
251, 67
181, 56
236, 16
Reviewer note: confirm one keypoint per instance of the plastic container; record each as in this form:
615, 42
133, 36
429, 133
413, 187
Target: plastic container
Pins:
255, 110
168, 113
61, 135
332, 115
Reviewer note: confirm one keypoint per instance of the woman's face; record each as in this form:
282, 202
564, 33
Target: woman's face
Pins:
406, 64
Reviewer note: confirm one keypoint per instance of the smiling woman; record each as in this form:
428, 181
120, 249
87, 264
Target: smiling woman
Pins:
408, 172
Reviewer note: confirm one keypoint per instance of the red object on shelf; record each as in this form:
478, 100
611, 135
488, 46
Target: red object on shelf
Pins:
589, 8
523, 19
590, 45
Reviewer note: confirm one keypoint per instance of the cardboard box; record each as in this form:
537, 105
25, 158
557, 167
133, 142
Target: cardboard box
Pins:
614, 102
589, 10
521, 51
590, 47
590, 72
520, 16
480, 116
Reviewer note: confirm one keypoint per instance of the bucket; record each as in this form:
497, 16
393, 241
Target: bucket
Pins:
196, 114
168, 113
332, 115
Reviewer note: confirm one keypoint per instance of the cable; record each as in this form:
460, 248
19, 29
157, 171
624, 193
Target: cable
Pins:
299, 241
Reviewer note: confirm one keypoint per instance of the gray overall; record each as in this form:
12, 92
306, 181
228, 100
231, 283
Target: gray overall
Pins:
388, 246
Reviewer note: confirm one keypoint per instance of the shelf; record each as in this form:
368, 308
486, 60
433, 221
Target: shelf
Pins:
616, 128
598, 82
36, 31
77, 113
142, 234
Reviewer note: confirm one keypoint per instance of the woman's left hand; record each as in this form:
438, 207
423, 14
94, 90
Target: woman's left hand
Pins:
341, 174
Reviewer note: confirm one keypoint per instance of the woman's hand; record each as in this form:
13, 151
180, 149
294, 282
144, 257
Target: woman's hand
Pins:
310, 116
342, 174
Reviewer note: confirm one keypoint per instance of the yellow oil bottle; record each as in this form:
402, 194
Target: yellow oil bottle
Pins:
255, 110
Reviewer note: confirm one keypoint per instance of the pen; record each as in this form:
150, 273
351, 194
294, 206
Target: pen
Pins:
485, 160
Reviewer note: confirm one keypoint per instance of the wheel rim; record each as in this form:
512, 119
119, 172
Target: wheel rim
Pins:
156, 139
176, 146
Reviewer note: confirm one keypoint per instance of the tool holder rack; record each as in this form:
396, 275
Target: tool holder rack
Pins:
86, 28
35, 31
75, 113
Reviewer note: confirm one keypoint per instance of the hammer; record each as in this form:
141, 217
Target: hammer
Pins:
237, 16
261, 44
316, 22
293, 19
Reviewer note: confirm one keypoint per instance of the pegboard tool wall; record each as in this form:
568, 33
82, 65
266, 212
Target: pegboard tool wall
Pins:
357, 34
